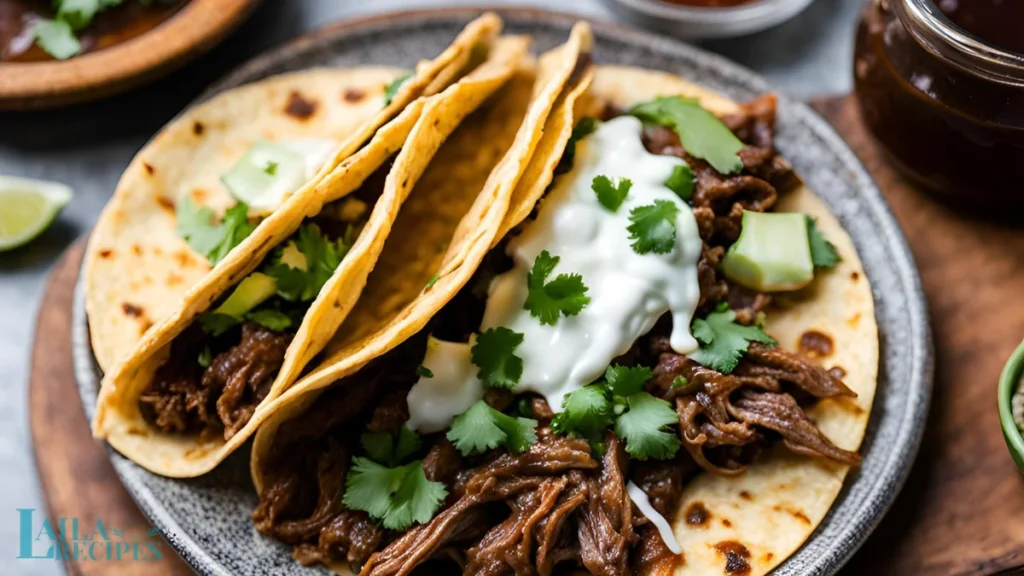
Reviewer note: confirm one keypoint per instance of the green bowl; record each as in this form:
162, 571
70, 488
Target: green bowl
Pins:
1012, 374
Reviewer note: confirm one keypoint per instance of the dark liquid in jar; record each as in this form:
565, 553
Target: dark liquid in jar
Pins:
954, 132
113, 26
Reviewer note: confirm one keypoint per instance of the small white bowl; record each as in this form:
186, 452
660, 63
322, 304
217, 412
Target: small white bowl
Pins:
695, 23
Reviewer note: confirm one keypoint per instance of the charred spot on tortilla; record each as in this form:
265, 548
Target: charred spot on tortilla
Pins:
299, 106
768, 557
854, 276
746, 496
726, 522
353, 95
149, 168
697, 514
184, 258
132, 310
165, 203
816, 344
137, 249
106, 253
794, 512
198, 128
736, 557
174, 279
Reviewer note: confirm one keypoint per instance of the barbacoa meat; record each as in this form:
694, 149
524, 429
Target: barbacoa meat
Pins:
184, 397
559, 502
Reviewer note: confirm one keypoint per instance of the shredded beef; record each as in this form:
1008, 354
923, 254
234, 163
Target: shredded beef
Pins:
183, 397
606, 521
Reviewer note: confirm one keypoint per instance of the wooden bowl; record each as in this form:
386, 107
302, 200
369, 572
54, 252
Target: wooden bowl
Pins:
194, 29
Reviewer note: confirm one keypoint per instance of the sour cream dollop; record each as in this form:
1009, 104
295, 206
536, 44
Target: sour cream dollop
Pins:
628, 291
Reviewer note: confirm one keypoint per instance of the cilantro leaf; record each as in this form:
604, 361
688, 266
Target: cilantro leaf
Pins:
627, 380
388, 450
399, 497
392, 90
424, 371
322, 256
56, 37
494, 354
430, 283
823, 253
205, 357
642, 428
416, 500
702, 134
586, 412
217, 324
583, 128
611, 195
77, 13
680, 382
653, 227
723, 341
481, 428
214, 241
271, 168
271, 319
563, 295
681, 181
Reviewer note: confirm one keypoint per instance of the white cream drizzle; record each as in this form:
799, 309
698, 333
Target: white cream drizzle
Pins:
639, 497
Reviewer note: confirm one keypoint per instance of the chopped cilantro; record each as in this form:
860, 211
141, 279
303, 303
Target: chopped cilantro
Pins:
323, 256
723, 341
270, 168
583, 128
679, 382
494, 354
681, 181
482, 428
653, 227
642, 427
79, 13
56, 37
566, 294
823, 253
399, 496
271, 319
392, 90
430, 283
424, 371
701, 133
217, 324
205, 357
586, 412
627, 380
611, 195
214, 241
381, 447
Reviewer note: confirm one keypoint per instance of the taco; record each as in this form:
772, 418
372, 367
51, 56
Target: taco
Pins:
657, 356
214, 159
186, 396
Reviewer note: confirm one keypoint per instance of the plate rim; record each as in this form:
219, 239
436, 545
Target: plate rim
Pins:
910, 430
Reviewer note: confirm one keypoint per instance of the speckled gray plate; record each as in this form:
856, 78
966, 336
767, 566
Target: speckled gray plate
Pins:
207, 519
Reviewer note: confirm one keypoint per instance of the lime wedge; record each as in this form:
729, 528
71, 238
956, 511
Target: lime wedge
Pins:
27, 207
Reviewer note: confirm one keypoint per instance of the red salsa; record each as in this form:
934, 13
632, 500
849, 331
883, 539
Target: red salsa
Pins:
112, 26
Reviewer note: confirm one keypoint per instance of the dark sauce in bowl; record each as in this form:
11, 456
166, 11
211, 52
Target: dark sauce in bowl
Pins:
113, 26
953, 129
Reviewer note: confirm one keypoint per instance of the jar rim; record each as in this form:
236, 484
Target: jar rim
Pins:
940, 36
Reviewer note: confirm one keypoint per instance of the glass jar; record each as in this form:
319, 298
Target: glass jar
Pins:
947, 106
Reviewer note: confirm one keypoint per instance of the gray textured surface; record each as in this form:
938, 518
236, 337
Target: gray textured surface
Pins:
88, 146
207, 519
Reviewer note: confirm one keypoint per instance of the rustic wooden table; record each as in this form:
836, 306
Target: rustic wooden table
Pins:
960, 514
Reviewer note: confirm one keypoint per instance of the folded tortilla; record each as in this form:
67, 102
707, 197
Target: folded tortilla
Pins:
137, 267
416, 135
749, 523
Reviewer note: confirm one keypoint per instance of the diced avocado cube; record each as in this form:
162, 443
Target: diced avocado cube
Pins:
772, 253
252, 291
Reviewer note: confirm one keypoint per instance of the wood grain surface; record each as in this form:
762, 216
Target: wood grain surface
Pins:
960, 514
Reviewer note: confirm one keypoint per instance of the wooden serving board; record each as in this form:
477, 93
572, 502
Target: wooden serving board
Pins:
960, 514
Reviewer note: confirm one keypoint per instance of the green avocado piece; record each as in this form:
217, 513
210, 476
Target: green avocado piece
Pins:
252, 291
772, 254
